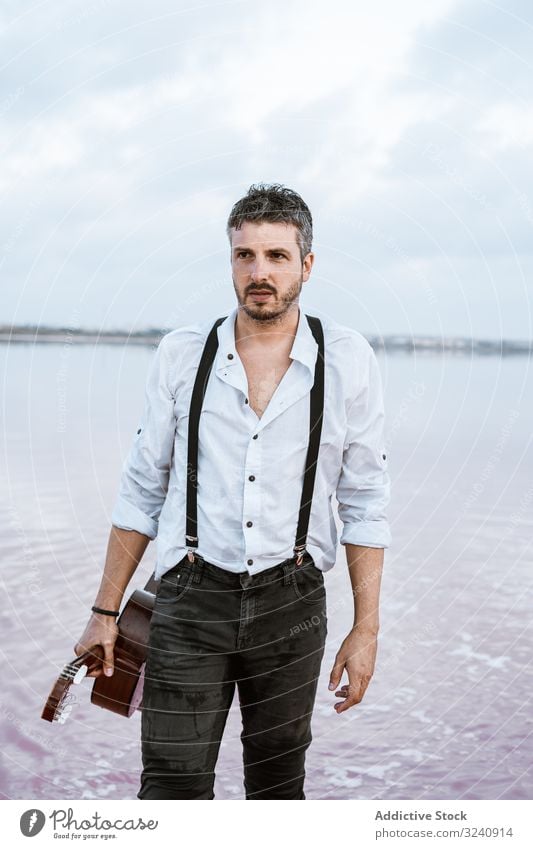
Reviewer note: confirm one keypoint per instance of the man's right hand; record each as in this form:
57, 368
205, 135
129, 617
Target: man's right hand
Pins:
102, 631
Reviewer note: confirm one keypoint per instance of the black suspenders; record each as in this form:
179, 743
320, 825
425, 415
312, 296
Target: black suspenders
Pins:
198, 392
316, 410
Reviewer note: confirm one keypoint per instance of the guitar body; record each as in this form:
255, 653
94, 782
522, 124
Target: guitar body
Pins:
122, 691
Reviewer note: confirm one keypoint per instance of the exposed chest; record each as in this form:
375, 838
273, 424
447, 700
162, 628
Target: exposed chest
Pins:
264, 376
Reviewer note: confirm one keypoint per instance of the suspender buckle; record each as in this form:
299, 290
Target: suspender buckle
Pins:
191, 548
299, 553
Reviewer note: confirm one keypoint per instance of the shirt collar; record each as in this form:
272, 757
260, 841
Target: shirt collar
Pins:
304, 348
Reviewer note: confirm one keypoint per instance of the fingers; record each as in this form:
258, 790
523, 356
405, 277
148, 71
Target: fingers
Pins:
352, 697
108, 662
340, 707
352, 694
99, 637
336, 673
95, 673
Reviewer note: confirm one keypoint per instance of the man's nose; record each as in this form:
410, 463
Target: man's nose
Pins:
259, 270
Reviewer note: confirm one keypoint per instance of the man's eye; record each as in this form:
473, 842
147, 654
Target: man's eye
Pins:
242, 253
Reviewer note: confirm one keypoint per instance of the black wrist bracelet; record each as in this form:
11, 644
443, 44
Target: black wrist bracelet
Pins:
106, 612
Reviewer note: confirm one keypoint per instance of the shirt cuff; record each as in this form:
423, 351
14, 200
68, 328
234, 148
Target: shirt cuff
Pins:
370, 534
128, 517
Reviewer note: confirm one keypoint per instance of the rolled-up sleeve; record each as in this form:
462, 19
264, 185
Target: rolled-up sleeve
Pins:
363, 489
146, 470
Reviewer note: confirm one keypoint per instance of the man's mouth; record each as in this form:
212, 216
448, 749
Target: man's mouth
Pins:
260, 295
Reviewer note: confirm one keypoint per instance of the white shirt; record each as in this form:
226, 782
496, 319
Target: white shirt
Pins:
251, 469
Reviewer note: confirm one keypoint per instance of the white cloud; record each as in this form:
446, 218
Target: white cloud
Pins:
135, 128
507, 125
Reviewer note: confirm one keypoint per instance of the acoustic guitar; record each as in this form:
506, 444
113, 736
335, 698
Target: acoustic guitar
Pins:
122, 691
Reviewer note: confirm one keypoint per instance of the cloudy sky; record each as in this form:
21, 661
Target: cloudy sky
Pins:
128, 130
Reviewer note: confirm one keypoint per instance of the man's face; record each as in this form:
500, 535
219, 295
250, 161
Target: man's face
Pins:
267, 270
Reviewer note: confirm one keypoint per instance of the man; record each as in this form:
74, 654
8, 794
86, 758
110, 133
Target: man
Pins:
239, 604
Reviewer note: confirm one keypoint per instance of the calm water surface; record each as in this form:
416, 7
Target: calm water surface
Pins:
448, 713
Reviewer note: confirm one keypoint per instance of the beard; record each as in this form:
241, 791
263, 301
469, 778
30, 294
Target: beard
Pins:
277, 306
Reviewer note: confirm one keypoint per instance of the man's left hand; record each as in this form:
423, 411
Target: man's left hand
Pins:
357, 655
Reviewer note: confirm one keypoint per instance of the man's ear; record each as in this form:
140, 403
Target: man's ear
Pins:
307, 265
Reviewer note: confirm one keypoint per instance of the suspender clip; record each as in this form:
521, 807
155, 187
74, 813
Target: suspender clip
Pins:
299, 552
191, 548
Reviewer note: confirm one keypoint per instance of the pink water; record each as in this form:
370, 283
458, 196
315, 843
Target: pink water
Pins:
448, 712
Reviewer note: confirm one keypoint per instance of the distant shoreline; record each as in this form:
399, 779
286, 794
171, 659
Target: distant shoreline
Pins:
31, 335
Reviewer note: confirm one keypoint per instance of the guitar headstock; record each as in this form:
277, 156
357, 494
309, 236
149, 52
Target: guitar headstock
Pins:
60, 702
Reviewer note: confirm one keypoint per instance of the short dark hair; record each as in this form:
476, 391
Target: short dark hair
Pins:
274, 202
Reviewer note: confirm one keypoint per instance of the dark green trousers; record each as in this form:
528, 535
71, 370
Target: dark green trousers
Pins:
212, 630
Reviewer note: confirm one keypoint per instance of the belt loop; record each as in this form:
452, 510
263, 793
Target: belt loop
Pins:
288, 569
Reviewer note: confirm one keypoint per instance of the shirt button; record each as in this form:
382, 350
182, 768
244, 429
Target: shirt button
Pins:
384, 456
250, 562
251, 478
230, 356
249, 524
139, 430
246, 400
255, 436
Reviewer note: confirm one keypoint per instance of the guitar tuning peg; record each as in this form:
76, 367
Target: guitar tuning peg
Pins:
64, 714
